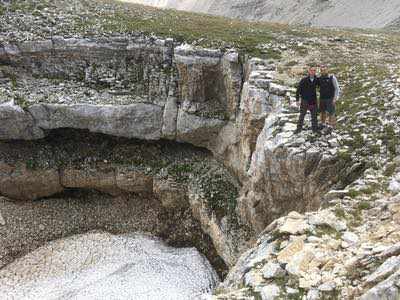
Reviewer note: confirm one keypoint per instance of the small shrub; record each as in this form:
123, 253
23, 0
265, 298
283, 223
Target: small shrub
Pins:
30, 164
390, 169
291, 63
354, 193
21, 101
364, 205
2, 9
340, 213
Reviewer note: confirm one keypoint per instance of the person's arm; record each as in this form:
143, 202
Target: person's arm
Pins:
337, 88
298, 90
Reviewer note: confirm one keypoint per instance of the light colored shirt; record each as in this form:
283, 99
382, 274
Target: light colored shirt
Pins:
337, 87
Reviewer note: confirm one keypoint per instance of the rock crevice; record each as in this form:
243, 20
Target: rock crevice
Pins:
152, 89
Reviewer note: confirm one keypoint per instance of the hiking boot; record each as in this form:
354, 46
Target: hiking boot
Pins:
317, 132
329, 130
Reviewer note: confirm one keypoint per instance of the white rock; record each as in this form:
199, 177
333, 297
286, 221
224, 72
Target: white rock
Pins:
350, 238
277, 89
326, 217
387, 289
313, 294
2, 221
272, 270
314, 239
390, 266
327, 287
262, 254
253, 279
294, 224
300, 262
394, 184
291, 291
270, 292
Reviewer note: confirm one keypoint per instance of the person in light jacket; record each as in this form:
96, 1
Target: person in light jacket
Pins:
329, 92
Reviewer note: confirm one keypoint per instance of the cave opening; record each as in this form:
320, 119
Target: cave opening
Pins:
74, 181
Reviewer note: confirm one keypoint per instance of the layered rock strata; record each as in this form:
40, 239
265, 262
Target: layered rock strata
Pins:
152, 89
82, 181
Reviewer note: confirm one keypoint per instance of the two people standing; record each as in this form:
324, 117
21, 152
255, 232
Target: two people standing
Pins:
329, 93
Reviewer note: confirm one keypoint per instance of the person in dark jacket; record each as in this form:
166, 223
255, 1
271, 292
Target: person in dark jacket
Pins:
307, 92
329, 93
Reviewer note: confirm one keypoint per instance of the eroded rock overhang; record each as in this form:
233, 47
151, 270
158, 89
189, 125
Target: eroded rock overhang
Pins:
156, 77
141, 88
152, 89
74, 181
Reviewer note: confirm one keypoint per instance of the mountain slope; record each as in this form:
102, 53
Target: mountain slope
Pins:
342, 13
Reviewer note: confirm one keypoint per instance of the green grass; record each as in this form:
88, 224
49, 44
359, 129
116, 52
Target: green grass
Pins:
390, 169
340, 213
322, 230
2, 9
21, 101
364, 205
356, 219
181, 171
31, 164
208, 31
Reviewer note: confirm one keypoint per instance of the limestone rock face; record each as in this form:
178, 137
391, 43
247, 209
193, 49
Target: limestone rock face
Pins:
225, 240
236, 141
87, 179
197, 130
22, 183
18, 182
139, 88
139, 120
16, 123
152, 89
387, 289
285, 174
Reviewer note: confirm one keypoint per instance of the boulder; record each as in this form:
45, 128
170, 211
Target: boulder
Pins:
270, 292
21, 183
197, 130
388, 289
15, 123
272, 270
294, 224
143, 121
390, 266
326, 217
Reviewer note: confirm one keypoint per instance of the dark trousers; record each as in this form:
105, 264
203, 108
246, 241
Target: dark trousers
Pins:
304, 107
